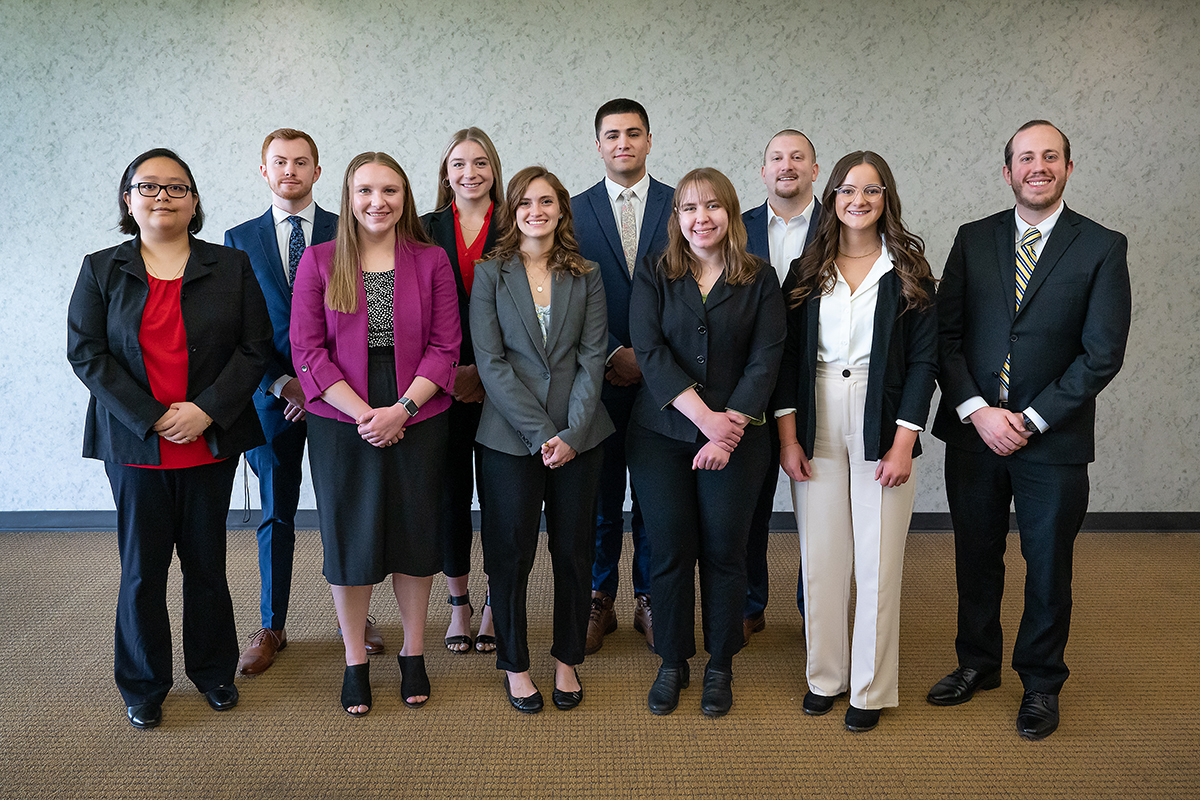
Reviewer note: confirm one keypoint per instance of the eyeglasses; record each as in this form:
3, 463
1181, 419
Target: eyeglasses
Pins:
871, 191
176, 190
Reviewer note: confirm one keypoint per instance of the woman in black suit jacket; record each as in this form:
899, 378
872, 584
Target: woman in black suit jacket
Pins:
854, 389
540, 328
171, 336
707, 323
467, 224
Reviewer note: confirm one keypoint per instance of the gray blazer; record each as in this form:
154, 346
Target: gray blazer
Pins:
534, 391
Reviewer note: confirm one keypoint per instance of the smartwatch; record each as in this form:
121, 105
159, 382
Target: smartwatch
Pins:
412, 407
1030, 425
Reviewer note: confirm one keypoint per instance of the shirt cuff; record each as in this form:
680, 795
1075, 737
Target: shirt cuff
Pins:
608, 361
909, 425
783, 412
280, 382
1043, 426
969, 407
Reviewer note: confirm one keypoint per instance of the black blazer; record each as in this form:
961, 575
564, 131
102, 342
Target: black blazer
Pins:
728, 348
229, 343
1067, 341
900, 380
440, 227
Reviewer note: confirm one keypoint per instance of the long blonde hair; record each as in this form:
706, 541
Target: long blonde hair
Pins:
679, 260
445, 193
341, 294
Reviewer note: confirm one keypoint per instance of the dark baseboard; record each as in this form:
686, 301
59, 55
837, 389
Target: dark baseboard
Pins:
781, 521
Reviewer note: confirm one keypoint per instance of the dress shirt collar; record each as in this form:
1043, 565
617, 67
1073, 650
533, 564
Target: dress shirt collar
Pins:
805, 215
1045, 226
639, 189
881, 267
308, 214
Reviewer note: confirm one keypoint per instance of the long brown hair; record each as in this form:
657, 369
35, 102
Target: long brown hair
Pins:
445, 193
679, 260
564, 253
341, 294
818, 274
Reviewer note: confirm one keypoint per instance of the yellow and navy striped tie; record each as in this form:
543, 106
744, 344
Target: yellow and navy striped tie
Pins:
1026, 260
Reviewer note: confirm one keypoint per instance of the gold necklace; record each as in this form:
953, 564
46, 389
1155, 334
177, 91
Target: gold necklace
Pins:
542, 282
864, 255
154, 270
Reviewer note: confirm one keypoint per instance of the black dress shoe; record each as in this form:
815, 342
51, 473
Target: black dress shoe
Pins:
565, 701
1038, 717
960, 686
664, 693
717, 698
817, 704
144, 715
222, 698
860, 720
526, 705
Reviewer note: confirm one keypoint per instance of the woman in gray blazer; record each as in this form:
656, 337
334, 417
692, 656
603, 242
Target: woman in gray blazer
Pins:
538, 321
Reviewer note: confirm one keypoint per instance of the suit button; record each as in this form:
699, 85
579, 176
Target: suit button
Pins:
304, 368
545, 376
699, 387
192, 349
702, 330
845, 373
699, 359
995, 374
1012, 338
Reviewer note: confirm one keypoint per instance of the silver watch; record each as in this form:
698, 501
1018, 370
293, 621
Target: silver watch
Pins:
409, 406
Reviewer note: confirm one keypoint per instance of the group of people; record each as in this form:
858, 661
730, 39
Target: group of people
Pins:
539, 349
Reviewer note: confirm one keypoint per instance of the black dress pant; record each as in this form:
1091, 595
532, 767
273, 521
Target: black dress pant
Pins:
462, 469
697, 517
1050, 502
514, 489
161, 511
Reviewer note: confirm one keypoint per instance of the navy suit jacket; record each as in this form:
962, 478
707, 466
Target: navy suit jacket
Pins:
1067, 341
257, 239
759, 244
600, 241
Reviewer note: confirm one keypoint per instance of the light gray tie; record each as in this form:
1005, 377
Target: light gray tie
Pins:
628, 230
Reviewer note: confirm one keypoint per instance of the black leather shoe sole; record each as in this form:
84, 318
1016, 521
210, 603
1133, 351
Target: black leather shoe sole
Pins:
145, 715
956, 689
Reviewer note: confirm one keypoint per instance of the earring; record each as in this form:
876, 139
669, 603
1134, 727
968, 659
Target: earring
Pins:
446, 182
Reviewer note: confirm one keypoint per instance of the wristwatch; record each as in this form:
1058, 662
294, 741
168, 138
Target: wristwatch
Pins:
412, 407
1030, 425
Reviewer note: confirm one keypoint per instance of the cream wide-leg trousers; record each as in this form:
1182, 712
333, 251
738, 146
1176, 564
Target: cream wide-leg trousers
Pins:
850, 524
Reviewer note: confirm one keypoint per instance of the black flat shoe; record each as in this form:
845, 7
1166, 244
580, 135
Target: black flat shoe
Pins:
861, 720
526, 705
356, 689
222, 698
664, 693
414, 680
144, 715
1038, 717
816, 705
717, 698
565, 701
960, 686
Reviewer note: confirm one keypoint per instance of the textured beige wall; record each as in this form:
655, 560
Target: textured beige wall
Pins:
935, 87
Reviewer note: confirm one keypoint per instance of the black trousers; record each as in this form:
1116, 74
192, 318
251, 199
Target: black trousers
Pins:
462, 468
161, 511
516, 488
1050, 502
697, 517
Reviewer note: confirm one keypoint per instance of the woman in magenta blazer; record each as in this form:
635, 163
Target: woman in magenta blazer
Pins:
375, 338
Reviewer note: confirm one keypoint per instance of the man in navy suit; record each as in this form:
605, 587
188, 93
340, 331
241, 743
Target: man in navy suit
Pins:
620, 223
1033, 317
274, 243
778, 231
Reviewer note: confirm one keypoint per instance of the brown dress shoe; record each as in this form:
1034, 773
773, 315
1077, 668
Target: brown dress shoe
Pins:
751, 625
603, 621
643, 622
261, 650
372, 638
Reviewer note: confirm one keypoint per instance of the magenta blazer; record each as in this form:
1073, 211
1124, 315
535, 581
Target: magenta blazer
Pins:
329, 346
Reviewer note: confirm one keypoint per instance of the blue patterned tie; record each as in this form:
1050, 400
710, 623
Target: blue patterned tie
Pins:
295, 248
1026, 260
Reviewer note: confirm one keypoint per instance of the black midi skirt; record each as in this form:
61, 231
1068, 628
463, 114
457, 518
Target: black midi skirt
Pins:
377, 505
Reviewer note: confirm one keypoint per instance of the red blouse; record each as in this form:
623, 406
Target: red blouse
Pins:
164, 351
467, 256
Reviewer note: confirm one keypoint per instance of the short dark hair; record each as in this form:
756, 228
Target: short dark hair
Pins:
1033, 123
791, 132
289, 134
127, 224
621, 105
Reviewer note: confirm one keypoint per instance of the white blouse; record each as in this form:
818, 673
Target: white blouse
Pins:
846, 323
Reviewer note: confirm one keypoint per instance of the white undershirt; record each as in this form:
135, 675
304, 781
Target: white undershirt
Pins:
786, 239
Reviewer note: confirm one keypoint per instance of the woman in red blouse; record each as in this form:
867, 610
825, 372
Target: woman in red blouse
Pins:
470, 187
170, 335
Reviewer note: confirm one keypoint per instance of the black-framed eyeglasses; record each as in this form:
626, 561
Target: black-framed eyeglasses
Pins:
176, 190
871, 191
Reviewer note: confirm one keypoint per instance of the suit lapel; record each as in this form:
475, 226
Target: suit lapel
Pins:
658, 201
561, 289
517, 286
406, 303
269, 243
1060, 238
812, 225
324, 227
721, 291
1006, 262
200, 261
602, 208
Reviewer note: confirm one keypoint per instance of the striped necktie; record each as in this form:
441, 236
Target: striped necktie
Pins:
1026, 260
